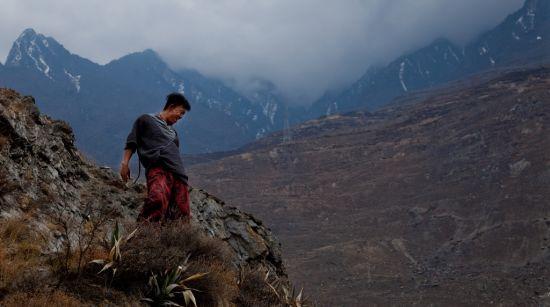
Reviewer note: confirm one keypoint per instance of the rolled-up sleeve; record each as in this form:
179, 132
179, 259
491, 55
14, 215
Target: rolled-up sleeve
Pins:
131, 140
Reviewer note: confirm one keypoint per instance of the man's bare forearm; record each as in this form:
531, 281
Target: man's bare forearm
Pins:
127, 156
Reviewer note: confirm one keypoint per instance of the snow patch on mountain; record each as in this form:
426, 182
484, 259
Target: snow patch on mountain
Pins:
75, 80
46, 68
261, 133
483, 51
453, 54
332, 108
527, 21
17, 57
29, 44
269, 109
401, 73
181, 88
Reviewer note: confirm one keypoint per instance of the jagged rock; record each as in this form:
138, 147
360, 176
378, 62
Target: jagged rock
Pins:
44, 173
252, 242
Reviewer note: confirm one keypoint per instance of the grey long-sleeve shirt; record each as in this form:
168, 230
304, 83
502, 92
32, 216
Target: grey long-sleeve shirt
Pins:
156, 145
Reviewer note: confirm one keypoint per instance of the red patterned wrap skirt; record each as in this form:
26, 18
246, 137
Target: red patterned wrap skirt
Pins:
167, 197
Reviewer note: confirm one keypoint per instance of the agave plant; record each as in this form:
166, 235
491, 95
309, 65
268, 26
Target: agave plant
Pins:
291, 298
286, 296
117, 239
164, 289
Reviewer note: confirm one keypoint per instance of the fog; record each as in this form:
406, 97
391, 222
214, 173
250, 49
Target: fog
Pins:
305, 47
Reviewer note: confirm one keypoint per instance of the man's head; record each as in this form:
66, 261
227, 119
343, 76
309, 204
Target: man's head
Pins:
174, 109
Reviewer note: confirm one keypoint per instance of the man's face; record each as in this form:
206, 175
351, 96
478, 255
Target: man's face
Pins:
174, 114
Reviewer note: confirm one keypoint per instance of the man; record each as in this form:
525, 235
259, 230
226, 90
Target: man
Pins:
157, 144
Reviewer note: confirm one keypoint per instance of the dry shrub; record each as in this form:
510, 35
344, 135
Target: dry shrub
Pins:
260, 287
219, 285
20, 255
42, 299
81, 239
95, 293
156, 248
254, 291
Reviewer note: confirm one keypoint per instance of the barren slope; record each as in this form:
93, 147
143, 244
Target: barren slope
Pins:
443, 201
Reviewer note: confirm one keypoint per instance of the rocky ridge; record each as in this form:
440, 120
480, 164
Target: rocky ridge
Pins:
43, 173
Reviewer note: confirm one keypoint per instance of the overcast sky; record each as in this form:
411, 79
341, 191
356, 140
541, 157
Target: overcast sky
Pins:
304, 46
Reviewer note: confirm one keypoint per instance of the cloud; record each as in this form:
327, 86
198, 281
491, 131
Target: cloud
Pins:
304, 46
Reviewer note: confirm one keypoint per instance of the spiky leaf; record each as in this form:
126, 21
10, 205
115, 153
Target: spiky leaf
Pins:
131, 235
106, 267
189, 297
194, 277
98, 261
171, 287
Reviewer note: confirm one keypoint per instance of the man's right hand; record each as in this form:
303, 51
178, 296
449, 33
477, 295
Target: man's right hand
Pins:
124, 172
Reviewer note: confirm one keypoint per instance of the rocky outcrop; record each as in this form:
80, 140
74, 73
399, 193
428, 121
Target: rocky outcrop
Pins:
251, 241
43, 173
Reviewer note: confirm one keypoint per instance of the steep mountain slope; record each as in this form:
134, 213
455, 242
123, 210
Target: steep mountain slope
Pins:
101, 101
49, 57
442, 201
44, 175
522, 38
273, 104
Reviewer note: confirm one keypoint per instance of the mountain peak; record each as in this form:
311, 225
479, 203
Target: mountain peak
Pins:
147, 54
37, 52
150, 55
150, 52
145, 58
29, 32
33, 50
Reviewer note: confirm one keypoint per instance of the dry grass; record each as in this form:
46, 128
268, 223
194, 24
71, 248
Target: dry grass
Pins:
41, 299
254, 290
157, 248
219, 285
20, 254
26, 275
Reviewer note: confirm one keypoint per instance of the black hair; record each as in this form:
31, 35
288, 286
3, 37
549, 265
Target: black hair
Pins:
177, 99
